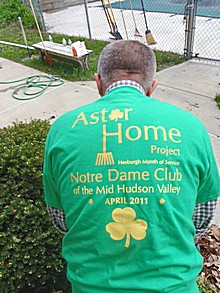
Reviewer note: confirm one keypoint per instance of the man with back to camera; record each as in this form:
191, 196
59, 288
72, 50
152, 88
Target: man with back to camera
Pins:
122, 178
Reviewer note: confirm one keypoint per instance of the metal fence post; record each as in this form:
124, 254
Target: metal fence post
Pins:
41, 15
87, 18
190, 17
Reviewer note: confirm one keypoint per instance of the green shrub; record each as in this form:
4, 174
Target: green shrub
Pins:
30, 246
10, 10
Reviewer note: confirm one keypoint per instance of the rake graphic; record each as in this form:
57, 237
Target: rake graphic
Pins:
104, 158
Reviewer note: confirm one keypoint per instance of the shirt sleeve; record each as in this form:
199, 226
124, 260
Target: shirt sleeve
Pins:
51, 193
58, 219
203, 215
209, 187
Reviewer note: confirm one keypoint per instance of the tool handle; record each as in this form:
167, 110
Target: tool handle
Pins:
123, 19
111, 20
132, 12
38, 28
110, 6
145, 19
107, 15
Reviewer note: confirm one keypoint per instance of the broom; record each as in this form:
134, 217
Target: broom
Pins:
47, 56
104, 158
149, 37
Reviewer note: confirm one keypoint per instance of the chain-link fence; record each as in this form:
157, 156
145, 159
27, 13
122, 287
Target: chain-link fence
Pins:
190, 27
207, 30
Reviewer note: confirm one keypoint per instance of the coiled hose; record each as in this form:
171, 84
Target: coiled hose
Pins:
35, 85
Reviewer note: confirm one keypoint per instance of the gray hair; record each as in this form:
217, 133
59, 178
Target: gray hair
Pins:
127, 59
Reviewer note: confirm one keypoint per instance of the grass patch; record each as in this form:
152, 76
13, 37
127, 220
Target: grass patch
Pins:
168, 59
217, 98
64, 70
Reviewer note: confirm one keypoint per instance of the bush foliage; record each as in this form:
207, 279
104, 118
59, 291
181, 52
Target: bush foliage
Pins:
30, 246
10, 10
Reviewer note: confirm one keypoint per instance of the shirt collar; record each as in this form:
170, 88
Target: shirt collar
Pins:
120, 83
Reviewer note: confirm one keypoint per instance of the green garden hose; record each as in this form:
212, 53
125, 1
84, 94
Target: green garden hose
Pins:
35, 85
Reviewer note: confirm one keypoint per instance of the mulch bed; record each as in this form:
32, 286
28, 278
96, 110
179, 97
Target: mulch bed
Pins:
210, 249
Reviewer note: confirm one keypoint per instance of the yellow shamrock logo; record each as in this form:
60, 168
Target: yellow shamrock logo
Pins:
126, 225
116, 114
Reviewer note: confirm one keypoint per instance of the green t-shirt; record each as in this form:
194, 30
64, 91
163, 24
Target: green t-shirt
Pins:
128, 170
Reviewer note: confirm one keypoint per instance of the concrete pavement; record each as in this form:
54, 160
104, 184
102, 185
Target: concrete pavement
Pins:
191, 86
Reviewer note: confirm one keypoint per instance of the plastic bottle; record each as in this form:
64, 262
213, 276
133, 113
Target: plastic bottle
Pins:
69, 42
50, 38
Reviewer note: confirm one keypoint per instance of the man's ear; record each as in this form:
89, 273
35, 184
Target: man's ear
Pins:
99, 84
152, 88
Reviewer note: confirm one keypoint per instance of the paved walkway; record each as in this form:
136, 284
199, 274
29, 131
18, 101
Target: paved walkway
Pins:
191, 86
